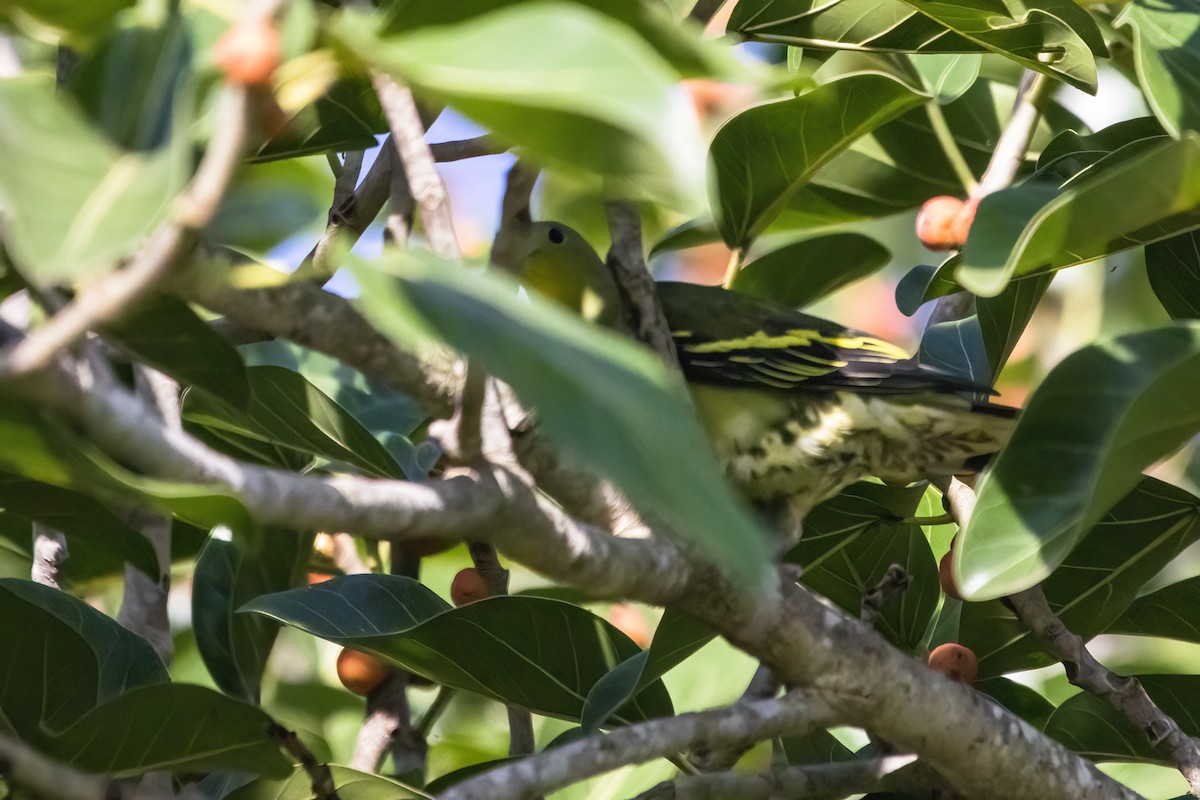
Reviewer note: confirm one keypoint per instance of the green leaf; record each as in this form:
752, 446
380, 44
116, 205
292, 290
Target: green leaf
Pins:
164, 332
1173, 266
1096, 583
61, 658
573, 88
172, 726
98, 540
957, 347
289, 416
850, 541
1168, 612
1051, 36
800, 272
228, 574
269, 203
136, 82
1091, 727
1002, 319
677, 637
947, 76
607, 401
818, 747
765, 154
1166, 53
73, 202
923, 283
506, 648
680, 42
70, 15
1100, 417
350, 783
346, 116
1134, 196
1017, 698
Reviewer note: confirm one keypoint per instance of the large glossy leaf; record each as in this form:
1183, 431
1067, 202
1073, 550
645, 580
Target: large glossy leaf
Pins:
61, 658
1092, 589
164, 332
609, 402
1099, 418
947, 76
572, 87
346, 116
350, 783
172, 726
766, 154
1002, 319
1166, 52
850, 541
268, 203
79, 18
800, 272
1094, 729
74, 203
1052, 36
1017, 698
677, 637
679, 42
1131, 197
288, 417
1169, 612
385, 412
507, 648
957, 347
135, 82
98, 540
230, 573
1173, 266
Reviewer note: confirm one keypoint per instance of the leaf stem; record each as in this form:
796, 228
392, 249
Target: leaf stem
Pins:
731, 270
945, 137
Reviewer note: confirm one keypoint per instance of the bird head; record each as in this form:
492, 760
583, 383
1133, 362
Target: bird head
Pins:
561, 265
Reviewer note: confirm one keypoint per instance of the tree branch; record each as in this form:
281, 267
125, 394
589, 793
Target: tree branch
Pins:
643, 311
1018, 132
466, 148
549, 770
46, 777
794, 783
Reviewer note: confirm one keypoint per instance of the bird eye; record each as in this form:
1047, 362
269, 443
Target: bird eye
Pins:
556, 235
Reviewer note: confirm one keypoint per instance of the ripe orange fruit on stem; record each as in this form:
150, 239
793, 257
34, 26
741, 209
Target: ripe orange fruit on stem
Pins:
249, 52
962, 221
629, 621
360, 672
935, 223
955, 662
467, 587
946, 574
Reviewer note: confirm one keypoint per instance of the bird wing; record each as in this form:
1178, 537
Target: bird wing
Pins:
731, 339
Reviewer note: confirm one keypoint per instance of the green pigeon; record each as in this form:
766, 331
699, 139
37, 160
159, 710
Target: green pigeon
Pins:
796, 407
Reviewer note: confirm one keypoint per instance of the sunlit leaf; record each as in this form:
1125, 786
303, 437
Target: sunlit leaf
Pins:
1099, 418
1166, 52
800, 272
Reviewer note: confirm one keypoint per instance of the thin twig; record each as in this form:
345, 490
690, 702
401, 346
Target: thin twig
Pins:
318, 773
704, 10
144, 603
643, 311
347, 180
408, 137
795, 783
349, 219
945, 137
763, 686
549, 770
731, 269
111, 295
1017, 134
49, 555
466, 148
